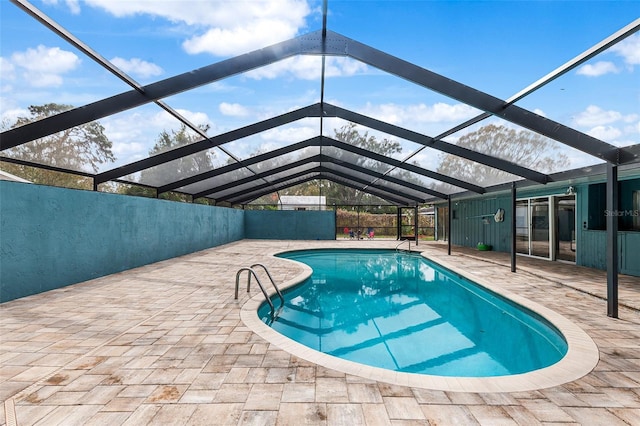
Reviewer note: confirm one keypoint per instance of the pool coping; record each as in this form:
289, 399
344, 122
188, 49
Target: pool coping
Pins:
581, 358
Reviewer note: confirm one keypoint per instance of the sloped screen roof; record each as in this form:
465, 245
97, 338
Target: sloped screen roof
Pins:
253, 123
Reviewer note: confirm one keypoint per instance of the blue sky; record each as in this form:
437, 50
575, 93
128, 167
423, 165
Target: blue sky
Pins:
498, 47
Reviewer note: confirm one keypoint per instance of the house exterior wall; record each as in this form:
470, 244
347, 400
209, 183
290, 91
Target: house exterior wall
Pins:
303, 202
592, 242
473, 222
468, 228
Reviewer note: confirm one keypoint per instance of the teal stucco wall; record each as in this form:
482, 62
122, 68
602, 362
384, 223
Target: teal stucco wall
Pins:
290, 224
52, 237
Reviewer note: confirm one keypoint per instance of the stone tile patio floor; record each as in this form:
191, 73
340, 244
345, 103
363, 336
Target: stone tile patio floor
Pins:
164, 344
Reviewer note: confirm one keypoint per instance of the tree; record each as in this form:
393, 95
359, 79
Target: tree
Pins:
175, 170
340, 194
81, 148
521, 147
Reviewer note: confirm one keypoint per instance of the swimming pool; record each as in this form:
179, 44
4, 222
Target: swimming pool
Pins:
581, 357
404, 313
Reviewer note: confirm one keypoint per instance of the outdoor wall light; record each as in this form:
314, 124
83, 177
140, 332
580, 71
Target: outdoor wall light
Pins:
570, 191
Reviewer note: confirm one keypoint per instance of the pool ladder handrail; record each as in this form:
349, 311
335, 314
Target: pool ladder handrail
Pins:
273, 283
251, 272
401, 243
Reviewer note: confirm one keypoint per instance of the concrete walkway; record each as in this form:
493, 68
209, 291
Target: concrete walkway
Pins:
164, 344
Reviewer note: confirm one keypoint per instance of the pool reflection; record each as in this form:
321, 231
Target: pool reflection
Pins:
403, 313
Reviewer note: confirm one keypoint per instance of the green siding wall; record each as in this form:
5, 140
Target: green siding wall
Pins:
629, 246
52, 237
290, 224
468, 228
592, 251
592, 242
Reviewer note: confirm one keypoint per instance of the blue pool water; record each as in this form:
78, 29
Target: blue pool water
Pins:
401, 312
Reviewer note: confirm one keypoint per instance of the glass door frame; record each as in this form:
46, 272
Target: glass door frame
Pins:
574, 240
551, 219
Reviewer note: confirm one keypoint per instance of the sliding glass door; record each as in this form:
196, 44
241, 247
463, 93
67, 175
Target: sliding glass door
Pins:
539, 209
545, 227
522, 227
565, 241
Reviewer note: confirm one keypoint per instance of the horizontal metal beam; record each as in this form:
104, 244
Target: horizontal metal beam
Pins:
560, 71
484, 101
377, 176
237, 197
62, 32
245, 163
368, 185
267, 186
242, 196
326, 159
46, 167
410, 167
245, 198
217, 189
380, 194
440, 145
204, 144
317, 141
305, 44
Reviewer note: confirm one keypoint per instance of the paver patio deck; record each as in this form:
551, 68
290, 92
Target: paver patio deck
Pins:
165, 344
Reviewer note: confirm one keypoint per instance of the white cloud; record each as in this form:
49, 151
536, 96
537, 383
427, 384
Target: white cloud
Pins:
10, 115
7, 70
595, 116
290, 134
633, 128
605, 133
73, 5
127, 150
240, 39
437, 113
608, 125
233, 110
126, 129
540, 112
137, 67
46, 59
44, 66
197, 118
629, 49
226, 27
307, 67
598, 69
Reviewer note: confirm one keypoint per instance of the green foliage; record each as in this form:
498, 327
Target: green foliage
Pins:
81, 148
383, 224
175, 170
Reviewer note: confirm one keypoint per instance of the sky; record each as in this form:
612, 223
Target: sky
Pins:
498, 47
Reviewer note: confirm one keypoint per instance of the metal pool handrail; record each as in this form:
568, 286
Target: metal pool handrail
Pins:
405, 241
270, 278
252, 272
